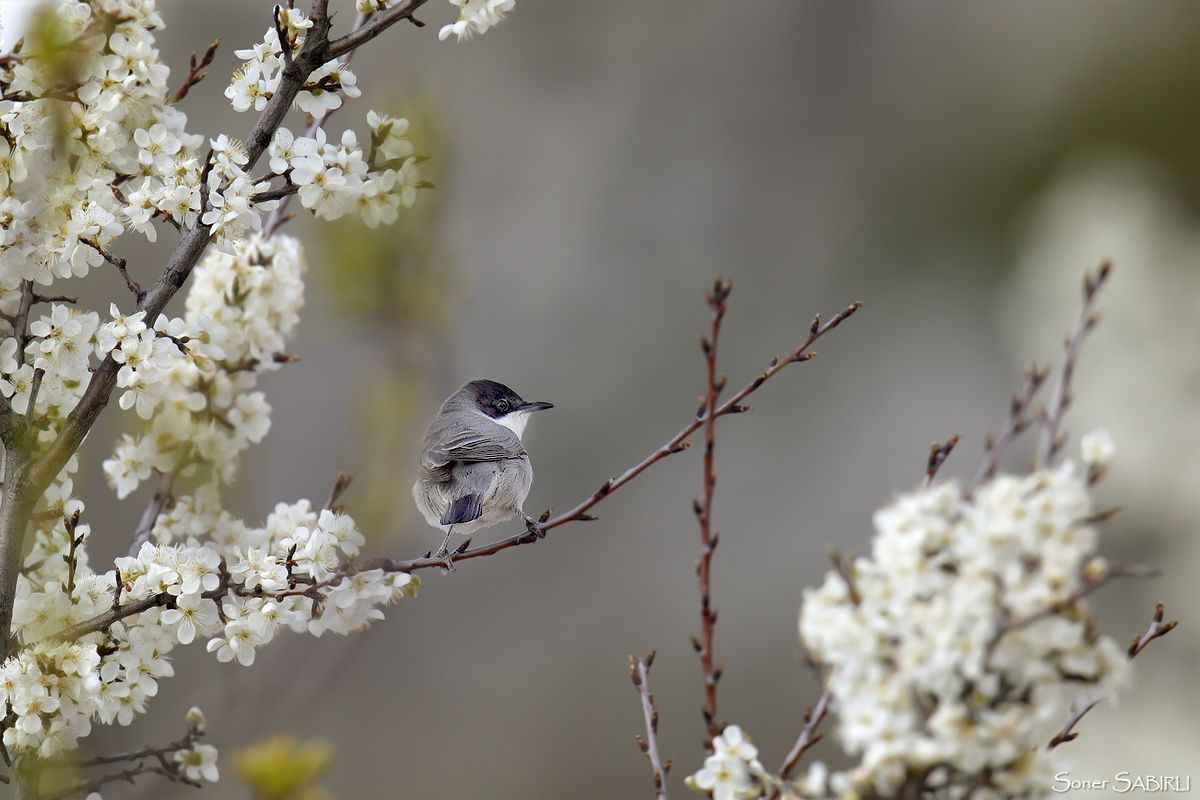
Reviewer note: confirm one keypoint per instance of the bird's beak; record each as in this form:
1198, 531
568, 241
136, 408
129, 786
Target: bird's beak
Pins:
535, 405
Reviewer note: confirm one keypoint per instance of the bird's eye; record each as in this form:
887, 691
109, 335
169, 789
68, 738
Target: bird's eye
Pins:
502, 406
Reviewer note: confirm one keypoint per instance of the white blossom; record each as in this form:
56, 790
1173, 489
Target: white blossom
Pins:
733, 771
199, 762
930, 662
1097, 447
476, 16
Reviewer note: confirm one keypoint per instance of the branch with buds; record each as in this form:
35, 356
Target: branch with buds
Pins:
1157, 629
639, 673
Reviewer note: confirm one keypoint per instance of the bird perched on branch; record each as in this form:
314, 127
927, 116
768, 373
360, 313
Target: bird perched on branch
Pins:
474, 470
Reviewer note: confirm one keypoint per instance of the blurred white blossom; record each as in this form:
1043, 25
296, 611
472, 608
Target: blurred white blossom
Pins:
956, 649
476, 16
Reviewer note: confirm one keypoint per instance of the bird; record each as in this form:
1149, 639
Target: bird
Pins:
474, 471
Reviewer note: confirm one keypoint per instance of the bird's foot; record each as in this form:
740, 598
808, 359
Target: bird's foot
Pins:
447, 559
534, 529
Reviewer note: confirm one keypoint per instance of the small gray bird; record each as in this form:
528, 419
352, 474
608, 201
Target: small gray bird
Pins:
474, 470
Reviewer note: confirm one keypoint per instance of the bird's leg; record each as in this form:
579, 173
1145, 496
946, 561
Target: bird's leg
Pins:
444, 554
533, 527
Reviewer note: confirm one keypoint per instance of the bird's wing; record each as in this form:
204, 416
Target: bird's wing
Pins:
469, 447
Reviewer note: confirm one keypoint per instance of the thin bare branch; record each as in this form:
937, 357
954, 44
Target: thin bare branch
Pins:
716, 297
639, 673
21, 324
162, 496
1087, 585
339, 487
1016, 424
119, 263
1051, 441
194, 75
163, 764
378, 24
809, 736
1066, 734
1157, 629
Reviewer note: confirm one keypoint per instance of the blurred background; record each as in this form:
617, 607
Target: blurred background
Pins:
956, 167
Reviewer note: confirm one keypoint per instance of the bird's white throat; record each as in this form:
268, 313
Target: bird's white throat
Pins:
515, 421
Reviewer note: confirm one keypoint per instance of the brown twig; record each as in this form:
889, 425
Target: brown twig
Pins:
938, 453
164, 764
278, 193
104, 621
1157, 629
339, 487
1051, 441
119, 263
34, 390
70, 524
716, 297
733, 405
286, 43
844, 567
1087, 585
162, 496
1016, 424
58, 298
379, 22
639, 673
809, 736
194, 75
21, 324
1066, 734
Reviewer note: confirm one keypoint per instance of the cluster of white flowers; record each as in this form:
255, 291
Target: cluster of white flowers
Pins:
474, 16
331, 179
259, 76
958, 647
90, 144
956, 650
240, 311
62, 350
65, 148
337, 179
283, 575
733, 771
